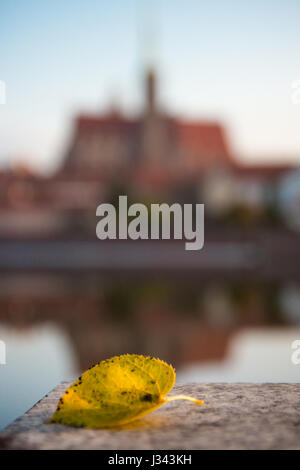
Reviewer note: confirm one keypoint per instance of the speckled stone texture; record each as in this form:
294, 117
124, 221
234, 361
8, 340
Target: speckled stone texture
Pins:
235, 416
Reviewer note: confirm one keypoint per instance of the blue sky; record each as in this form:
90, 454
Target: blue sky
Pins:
228, 60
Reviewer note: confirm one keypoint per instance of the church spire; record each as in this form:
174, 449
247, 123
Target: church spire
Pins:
150, 91
149, 50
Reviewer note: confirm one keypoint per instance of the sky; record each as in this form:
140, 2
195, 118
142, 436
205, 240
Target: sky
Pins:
236, 62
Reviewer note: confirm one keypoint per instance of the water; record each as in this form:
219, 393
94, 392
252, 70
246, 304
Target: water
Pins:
259, 355
56, 326
37, 360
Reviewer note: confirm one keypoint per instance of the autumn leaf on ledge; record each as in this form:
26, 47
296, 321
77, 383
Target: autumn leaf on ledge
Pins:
117, 391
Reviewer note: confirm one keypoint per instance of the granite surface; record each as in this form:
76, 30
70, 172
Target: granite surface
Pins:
235, 416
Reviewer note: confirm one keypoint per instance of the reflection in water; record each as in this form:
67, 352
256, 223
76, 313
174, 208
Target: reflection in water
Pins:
290, 303
259, 355
57, 325
38, 358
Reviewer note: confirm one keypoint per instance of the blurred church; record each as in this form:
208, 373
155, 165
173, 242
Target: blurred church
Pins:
153, 157
152, 147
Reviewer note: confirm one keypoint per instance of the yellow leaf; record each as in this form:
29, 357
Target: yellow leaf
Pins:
117, 391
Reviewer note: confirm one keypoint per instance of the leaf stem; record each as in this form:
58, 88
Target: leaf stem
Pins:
185, 397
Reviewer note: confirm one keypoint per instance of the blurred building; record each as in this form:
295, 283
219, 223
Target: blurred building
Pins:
152, 157
153, 140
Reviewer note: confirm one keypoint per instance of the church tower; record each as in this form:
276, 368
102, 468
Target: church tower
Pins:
150, 92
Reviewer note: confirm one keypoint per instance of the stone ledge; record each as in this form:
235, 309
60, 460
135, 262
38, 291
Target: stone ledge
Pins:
235, 416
